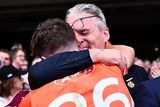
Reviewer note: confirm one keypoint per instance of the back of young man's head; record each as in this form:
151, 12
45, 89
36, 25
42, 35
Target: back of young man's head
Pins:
50, 36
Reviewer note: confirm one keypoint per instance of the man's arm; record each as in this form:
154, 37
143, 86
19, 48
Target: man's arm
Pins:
64, 64
115, 54
58, 66
126, 52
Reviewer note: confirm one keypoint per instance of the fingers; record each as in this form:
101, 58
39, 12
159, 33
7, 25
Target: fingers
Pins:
122, 65
155, 72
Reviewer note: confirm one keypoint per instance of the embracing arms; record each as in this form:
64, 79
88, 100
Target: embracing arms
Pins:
67, 63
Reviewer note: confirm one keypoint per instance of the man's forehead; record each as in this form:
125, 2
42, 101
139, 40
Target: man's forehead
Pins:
3, 53
77, 16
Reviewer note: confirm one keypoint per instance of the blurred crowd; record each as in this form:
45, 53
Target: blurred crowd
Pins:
151, 67
13, 73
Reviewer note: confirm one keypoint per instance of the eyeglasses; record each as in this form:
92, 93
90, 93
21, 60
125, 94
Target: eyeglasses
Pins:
78, 24
20, 56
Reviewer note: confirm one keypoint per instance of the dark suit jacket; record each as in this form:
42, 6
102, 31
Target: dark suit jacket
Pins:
58, 66
135, 76
148, 93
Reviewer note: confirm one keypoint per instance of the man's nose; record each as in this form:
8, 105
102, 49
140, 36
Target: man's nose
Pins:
79, 38
80, 45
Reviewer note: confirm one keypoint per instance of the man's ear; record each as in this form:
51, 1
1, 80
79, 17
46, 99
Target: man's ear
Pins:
106, 34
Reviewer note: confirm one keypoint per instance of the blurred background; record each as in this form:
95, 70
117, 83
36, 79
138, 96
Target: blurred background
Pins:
135, 23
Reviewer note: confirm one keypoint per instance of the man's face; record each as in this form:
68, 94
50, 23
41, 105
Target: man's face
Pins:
5, 58
18, 83
86, 31
19, 58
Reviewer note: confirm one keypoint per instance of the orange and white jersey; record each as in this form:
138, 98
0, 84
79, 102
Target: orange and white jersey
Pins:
98, 86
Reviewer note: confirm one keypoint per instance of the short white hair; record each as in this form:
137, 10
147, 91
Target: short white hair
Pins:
86, 8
